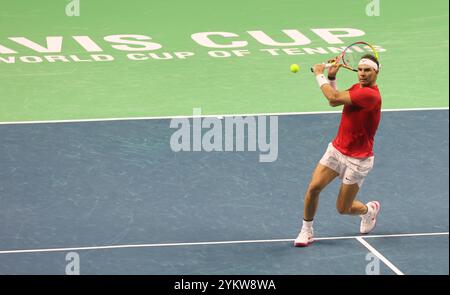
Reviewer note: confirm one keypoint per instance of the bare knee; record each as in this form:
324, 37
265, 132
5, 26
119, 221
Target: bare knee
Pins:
314, 189
343, 209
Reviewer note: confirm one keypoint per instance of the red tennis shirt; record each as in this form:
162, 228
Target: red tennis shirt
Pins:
359, 122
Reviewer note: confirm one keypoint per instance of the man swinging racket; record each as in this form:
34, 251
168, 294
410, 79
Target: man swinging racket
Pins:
350, 154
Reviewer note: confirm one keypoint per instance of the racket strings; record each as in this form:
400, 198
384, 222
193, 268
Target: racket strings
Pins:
352, 58
353, 54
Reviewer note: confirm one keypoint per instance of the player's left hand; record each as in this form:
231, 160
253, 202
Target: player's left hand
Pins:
332, 71
318, 69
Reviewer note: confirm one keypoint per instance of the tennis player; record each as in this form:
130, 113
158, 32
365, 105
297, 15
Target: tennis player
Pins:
349, 155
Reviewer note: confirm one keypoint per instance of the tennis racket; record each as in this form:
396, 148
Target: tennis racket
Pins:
350, 57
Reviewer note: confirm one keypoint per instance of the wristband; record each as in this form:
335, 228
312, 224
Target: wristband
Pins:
321, 80
333, 84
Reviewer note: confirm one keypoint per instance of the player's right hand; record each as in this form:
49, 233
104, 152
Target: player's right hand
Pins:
318, 69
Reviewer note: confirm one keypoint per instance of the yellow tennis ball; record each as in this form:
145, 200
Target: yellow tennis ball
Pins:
295, 68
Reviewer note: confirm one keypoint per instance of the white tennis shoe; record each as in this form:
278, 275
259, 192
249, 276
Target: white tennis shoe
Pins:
369, 220
305, 237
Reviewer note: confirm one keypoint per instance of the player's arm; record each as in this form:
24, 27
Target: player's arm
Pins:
335, 97
329, 87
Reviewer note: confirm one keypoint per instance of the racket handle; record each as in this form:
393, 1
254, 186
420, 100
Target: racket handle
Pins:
327, 65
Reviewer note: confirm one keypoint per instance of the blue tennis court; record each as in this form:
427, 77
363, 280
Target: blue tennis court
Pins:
116, 195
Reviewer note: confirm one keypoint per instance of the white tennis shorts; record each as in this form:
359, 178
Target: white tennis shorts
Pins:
351, 170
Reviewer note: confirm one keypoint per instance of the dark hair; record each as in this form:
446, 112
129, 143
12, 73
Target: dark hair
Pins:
372, 58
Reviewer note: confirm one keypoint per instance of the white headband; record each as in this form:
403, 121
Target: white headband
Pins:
368, 62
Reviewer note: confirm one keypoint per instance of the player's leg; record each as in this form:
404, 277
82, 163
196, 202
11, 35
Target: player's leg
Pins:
321, 177
329, 168
346, 202
353, 178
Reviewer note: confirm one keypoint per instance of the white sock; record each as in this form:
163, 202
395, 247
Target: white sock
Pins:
369, 210
308, 224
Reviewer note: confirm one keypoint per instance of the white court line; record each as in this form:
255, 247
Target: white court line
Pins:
380, 256
208, 243
207, 116
387, 236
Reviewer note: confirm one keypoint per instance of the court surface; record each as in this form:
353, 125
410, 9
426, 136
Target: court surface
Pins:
86, 166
